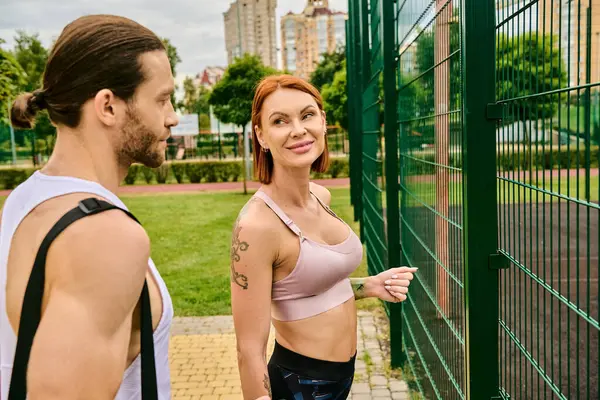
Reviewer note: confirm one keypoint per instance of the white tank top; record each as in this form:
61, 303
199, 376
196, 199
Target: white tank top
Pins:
37, 189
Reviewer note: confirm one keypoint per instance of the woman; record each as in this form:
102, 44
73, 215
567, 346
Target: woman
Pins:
291, 257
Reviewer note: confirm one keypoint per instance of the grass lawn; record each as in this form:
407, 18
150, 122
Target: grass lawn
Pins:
191, 236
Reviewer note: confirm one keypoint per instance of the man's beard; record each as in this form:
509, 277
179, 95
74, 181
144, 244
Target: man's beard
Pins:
139, 143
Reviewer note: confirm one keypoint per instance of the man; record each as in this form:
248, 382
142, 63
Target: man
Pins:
107, 88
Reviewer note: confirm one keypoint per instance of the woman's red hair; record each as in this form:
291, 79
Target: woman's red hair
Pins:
263, 162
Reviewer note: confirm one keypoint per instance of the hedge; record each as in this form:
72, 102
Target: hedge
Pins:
11, 178
509, 159
231, 171
182, 172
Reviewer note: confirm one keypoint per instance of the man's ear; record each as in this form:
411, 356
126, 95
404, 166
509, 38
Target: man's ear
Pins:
105, 107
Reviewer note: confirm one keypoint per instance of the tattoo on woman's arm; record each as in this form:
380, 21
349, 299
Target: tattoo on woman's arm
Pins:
238, 246
267, 384
358, 287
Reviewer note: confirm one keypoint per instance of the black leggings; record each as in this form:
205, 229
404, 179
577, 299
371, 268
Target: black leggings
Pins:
297, 377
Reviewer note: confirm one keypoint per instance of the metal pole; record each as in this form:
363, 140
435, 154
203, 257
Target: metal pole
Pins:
391, 169
247, 153
480, 211
12, 138
442, 176
219, 133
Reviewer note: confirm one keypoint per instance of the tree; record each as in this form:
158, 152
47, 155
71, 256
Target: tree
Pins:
327, 67
12, 79
174, 59
425, 60
335, 97
195, 101
528, 64
232, 96
32, 56
204, 121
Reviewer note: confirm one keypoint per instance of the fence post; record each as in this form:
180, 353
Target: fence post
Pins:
391, 168
479, 200
353, 66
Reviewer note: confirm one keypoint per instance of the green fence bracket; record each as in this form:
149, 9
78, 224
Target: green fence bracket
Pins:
495, 111
498, 261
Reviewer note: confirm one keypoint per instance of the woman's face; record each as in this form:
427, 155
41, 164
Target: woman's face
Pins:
292, 128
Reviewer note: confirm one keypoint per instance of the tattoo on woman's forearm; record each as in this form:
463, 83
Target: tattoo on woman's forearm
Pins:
358, 287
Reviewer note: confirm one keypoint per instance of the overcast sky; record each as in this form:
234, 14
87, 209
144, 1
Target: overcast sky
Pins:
195, 27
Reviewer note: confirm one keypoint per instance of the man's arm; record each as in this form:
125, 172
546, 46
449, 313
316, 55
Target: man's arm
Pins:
253, 248
96, 270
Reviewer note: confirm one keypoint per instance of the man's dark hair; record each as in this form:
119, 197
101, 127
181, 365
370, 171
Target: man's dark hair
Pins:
92, 53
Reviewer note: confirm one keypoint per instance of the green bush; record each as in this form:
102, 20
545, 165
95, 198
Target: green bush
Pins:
162, 173
507, 159
195, 171
178, 171
338, 167
11, 178
510, 159
210, 171
132, 174
235, 171
148, 174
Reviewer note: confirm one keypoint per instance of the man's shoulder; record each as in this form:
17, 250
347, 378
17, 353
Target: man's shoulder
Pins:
99, 240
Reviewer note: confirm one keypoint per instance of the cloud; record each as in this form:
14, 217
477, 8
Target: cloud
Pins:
194, 27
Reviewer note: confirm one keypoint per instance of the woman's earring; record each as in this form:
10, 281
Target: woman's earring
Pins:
264, 150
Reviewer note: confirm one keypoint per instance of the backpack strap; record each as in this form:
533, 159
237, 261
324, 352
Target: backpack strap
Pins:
31, 312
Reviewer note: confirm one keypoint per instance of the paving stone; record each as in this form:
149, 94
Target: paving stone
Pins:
375, 387
204, 360
381, 392
372, 345
400, 396
361, 397
398, 386
361, 388
379, 380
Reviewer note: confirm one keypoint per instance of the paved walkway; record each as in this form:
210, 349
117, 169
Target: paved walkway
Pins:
204, 365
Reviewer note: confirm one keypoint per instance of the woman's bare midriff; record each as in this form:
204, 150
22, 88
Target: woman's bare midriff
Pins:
329, 336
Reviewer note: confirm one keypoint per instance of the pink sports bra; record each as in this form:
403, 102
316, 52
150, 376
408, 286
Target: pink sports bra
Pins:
319, 281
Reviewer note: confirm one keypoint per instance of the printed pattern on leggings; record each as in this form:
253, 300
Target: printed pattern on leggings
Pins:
314, 389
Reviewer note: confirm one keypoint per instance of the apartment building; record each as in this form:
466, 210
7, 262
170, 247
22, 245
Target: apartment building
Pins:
306, 36
250, 28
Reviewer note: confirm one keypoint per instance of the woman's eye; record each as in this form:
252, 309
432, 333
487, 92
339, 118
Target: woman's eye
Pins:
279, 121
308, 115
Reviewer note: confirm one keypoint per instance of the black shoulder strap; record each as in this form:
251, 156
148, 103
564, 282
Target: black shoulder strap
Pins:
31, 312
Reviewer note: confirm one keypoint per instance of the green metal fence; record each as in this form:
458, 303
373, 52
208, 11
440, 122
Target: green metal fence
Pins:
474, 129
548, 198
